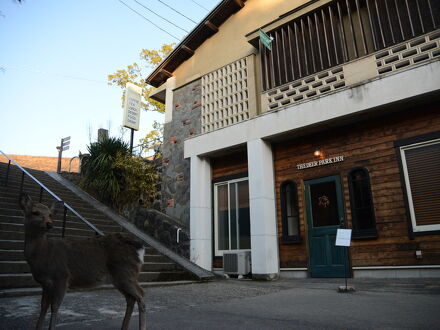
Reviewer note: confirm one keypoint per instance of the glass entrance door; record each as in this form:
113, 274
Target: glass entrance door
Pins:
232, 219
325, 213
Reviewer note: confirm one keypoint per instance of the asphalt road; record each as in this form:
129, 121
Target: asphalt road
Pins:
245, 304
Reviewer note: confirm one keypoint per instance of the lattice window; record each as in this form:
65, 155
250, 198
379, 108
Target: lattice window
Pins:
225, 95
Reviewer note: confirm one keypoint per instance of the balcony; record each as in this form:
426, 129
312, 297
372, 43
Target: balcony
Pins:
322, 48
343, 43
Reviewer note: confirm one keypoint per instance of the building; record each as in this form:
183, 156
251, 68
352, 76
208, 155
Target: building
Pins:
336, 126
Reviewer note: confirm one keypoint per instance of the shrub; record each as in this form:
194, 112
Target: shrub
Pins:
114, 176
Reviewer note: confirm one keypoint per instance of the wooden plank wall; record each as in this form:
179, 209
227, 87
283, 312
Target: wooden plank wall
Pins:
232, 164
368, 144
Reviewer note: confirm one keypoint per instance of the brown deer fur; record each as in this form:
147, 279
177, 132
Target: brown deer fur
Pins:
60, 264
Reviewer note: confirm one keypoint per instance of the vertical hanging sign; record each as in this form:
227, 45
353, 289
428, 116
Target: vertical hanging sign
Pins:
132, 106
265, 39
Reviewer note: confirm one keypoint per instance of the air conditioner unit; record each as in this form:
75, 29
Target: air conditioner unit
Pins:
237, 263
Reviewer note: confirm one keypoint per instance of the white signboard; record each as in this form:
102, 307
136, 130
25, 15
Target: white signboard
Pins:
132, 106
343, 237
331, 160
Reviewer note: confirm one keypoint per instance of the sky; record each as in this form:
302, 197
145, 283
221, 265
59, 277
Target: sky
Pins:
55, 56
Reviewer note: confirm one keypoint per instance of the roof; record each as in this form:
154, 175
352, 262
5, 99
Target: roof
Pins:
186, 48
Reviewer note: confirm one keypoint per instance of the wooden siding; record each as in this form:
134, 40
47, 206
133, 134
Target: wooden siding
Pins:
229, 165
371, 145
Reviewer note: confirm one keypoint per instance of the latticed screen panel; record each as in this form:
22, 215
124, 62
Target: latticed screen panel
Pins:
225, 95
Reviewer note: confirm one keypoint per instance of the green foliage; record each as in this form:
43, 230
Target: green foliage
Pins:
138, 179
153, 140
114, 176
136, 74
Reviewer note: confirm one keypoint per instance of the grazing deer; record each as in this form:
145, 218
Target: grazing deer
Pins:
58, 264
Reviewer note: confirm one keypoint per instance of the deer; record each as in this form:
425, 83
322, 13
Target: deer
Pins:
59, 264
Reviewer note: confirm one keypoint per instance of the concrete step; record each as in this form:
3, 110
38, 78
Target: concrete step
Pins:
156, 258
19, 235
12, 255
23, 280
14, 267
34, 192
163, 276
21, 266
71, 223
9, 200
159, 266
11, 244
87, 212
54, 231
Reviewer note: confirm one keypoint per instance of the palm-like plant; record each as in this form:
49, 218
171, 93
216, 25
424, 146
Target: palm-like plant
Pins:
99, 173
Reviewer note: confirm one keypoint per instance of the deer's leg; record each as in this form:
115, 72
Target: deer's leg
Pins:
133, 293
142, 315
45, 301
128, 311
57, 299
141, 306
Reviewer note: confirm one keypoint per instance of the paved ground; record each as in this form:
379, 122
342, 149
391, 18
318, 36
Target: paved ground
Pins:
244, 304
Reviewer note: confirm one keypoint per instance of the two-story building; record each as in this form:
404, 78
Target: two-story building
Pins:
334, 122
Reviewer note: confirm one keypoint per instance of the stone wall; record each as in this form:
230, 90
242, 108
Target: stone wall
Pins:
161, 227
175, 169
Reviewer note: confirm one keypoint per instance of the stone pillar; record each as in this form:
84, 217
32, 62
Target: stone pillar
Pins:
264, 244
201, 212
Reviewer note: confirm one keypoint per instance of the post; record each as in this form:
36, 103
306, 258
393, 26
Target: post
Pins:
345, 266
41, 195
60, 153
64, 222
131, 140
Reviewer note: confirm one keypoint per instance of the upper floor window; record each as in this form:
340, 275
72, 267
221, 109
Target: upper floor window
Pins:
341, 31
289, 212
420, 161
361, 202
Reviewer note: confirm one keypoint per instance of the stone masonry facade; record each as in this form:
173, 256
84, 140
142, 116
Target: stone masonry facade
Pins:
175, 169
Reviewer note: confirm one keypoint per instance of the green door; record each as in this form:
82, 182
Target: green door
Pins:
325, 213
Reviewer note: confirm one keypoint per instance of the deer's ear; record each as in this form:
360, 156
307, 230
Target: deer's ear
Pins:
56, 206
26, 203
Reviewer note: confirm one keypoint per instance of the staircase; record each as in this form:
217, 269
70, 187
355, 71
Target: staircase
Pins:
15, 276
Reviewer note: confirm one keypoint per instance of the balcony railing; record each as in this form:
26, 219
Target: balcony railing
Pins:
342, 31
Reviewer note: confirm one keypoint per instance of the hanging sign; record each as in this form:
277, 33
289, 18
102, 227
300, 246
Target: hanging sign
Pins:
331, 160
343, 237
132, 106
265, 39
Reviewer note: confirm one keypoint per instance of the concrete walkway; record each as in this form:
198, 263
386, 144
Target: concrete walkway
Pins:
245, 304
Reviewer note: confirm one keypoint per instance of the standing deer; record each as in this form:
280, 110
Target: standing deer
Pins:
59, 264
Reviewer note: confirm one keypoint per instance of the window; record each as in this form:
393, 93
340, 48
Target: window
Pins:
289, 212
231, 216
420, 162
362, 210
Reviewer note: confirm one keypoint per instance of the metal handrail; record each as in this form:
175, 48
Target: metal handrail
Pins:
42, 186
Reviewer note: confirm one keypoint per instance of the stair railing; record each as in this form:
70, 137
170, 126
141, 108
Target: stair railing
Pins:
42, 188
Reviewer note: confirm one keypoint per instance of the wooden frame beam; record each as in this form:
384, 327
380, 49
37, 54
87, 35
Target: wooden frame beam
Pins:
212, 26
239, 3
187, 49
166, 73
